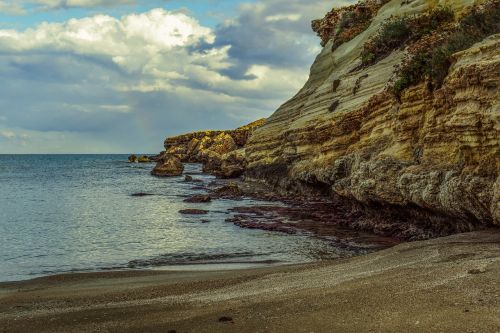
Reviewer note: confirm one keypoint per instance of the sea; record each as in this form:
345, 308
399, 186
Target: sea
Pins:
78, 213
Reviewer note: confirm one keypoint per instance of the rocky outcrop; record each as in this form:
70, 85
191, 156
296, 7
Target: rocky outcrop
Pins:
143, 159
221, 152
168, 166
430, 156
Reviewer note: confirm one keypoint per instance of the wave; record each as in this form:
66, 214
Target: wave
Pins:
201, 258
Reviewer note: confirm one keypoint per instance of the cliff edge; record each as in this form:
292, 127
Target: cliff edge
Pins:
367, 129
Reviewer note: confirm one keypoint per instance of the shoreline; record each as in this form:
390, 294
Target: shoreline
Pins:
445, 284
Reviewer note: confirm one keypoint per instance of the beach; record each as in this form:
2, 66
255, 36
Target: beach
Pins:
449, 284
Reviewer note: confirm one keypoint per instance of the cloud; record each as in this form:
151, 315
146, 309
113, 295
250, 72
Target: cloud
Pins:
19, 7
11, 8
276, 33
131, 81
8, 134
80, 3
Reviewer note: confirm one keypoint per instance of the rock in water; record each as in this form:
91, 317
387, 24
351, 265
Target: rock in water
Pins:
144, 159
168, 166
141, 194
229, 191
133, 159
198, 199
193, 212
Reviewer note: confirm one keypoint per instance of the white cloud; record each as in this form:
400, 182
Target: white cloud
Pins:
11, 8
8, 134
154, 45
283, 17
154, 31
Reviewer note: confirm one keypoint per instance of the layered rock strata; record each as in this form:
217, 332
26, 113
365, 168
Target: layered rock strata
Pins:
429, 157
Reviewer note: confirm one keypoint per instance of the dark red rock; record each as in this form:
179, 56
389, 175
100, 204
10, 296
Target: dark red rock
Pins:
198, 199
193, 211
141, 194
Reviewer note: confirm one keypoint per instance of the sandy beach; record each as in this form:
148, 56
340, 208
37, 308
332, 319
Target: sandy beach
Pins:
450, 284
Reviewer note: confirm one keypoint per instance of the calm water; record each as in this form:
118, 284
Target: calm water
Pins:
63, 213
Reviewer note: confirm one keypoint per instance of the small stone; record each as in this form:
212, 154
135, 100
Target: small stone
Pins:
476, 271
225, 319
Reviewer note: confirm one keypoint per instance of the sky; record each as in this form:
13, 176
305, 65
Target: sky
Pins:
118, 76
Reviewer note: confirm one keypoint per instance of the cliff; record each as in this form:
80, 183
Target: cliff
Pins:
428, 154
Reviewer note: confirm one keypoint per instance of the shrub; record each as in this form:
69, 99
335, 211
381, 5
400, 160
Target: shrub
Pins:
398, 31
431, 59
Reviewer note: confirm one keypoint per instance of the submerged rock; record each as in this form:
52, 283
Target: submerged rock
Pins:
190, 179
168, 166
198, 199
141, 194
193, 211
229, 191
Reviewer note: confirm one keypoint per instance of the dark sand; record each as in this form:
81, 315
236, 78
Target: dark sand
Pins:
444, 285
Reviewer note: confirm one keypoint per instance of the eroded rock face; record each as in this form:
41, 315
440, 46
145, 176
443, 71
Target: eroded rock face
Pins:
431, 154
168, 166
233, 164
220, 151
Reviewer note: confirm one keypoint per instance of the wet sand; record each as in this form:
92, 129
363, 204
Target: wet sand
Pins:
450, 284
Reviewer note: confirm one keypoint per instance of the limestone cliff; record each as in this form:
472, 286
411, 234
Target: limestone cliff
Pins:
430, 154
